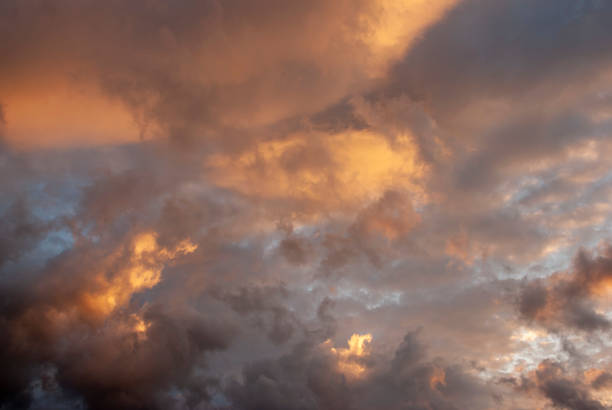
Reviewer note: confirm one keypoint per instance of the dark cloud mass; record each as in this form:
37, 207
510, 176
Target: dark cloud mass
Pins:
322, 205
569, 298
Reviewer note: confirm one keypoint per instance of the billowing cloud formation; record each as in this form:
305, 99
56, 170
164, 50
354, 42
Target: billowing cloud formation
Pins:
571, 299
305, 205
338, 380
566, 392
193, 67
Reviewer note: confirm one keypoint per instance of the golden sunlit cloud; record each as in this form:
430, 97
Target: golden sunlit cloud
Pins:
527, 335
348, 358
397, 24
438, 378
345, 169
139, 326
146, 262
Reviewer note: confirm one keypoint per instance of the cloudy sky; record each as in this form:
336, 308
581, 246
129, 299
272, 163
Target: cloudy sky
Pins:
296, 205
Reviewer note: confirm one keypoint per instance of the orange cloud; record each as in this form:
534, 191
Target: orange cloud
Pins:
143, 271
438, 378
59, 113
345, 169
235, 68
348, 358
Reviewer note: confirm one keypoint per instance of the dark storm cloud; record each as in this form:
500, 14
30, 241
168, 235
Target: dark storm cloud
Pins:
295, 250
102, 360
51, 315
48, 317
502, 49
533, 299
562, 391
556, 383
603, 381
266, 307
568, 299
307, 378
175, 340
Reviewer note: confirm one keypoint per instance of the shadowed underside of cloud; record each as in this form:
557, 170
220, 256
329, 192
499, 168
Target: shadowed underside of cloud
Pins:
552, 380
252, 205
406, 381
570, 299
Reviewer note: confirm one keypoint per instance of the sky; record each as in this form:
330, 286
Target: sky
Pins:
305, 205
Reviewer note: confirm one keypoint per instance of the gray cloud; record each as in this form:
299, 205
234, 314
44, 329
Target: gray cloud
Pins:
567, 300
302, 178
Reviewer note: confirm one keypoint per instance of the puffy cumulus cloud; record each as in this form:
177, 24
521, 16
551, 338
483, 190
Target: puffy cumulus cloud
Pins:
236, 204
574, 299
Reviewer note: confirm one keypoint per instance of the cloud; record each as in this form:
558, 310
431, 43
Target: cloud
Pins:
570, 299
224, 204
315, 376
194, 68
563, 392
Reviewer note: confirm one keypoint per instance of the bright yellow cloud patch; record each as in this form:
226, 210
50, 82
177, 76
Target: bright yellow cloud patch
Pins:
340, 172
397, 24
348, 358
143, 271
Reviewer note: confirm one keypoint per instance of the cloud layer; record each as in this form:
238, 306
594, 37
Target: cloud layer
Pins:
305, 205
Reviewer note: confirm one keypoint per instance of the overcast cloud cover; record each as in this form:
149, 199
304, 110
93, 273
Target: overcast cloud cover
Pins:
272, 204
